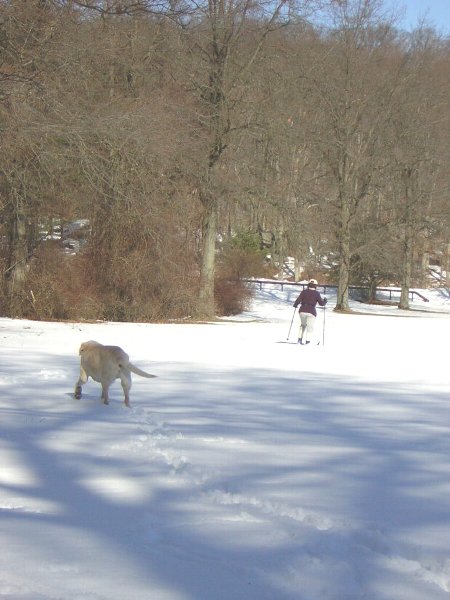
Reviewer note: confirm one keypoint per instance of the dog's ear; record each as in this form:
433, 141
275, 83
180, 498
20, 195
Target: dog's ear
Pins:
86, 345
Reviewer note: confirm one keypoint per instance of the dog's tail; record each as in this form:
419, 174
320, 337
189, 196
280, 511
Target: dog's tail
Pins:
140, 372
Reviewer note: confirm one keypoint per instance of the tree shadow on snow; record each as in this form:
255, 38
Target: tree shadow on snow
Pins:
219, 484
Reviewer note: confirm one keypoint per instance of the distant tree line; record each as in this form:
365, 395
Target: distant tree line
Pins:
197, 138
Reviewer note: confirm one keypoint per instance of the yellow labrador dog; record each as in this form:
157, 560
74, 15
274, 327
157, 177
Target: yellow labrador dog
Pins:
105, 364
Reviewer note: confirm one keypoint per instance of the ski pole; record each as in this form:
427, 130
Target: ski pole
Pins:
323, 331
292, 320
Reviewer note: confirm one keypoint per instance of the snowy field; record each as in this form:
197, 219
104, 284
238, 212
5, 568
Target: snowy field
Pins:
251, 468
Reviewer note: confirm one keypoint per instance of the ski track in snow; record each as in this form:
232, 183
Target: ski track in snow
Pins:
316, 556
332, 538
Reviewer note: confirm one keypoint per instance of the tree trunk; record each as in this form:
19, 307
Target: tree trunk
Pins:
17, 261
445, 279
411, 199
208, 258
344, 259
425, 270
298, 269
408, 251
373, 284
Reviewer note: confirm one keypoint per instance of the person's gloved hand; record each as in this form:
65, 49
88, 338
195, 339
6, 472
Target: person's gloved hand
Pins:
325, 300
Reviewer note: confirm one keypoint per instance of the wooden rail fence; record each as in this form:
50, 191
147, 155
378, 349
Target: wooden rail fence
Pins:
325, 287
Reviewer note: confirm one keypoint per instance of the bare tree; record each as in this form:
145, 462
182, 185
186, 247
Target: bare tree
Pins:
414, 159
349, 86
27, 32
222, 40
226, 44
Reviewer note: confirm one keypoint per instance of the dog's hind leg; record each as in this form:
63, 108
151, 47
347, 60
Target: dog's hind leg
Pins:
81, 380
125, 379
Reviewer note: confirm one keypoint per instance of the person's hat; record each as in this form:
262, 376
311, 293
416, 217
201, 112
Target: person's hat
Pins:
312, 282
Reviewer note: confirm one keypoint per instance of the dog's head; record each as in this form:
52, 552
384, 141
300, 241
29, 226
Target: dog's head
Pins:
86, 345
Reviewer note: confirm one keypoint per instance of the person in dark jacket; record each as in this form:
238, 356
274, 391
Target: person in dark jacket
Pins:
308, 299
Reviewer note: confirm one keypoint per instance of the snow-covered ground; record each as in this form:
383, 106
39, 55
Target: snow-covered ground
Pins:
251, 468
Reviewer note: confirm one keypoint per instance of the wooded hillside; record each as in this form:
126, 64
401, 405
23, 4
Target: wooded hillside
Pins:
196, 139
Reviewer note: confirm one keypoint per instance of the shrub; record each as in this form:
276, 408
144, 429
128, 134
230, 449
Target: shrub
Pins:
242, 256
232, 296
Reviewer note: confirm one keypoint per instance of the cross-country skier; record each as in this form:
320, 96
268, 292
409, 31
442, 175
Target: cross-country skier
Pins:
308, 299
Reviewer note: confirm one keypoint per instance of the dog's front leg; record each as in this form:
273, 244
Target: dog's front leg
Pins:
78, 392
105, 397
